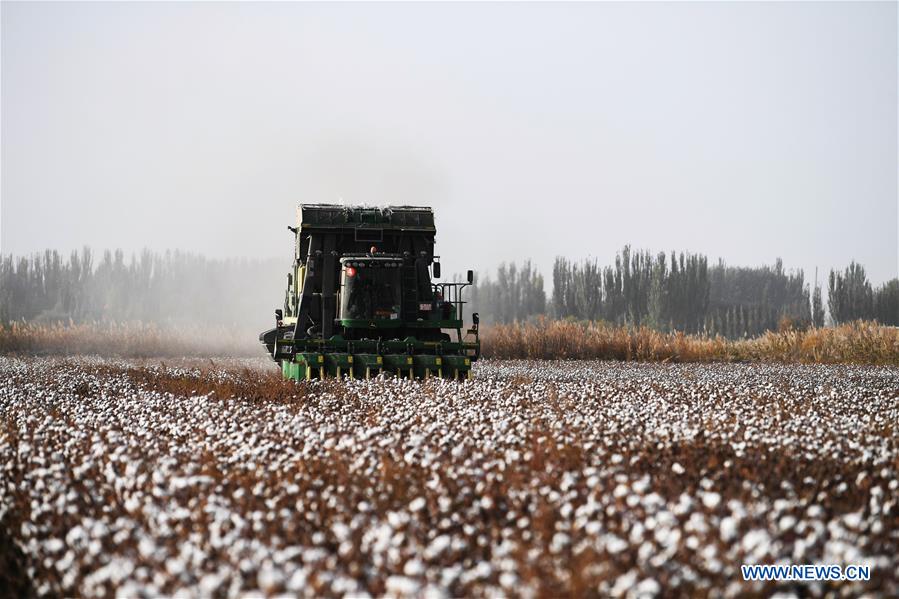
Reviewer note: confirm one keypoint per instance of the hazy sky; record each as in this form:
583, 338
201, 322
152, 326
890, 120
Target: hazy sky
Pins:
745, 131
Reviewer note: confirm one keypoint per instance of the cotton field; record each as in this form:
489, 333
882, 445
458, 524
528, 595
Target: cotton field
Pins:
208, 478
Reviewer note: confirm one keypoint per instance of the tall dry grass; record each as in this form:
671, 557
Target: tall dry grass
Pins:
129, 339
858, 342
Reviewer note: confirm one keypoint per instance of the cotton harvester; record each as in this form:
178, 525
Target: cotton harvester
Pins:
360, 299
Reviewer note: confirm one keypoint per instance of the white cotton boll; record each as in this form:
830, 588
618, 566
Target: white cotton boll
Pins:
449, 575
799, 548
853, 520
297, 580
64, 564
129, 589
437, 547
786, 523
641, 485
648, 588
133, 503
624, 583
210, 583
637, 530
433, 592
341, 531
711, 500
174, 566
668, 537
754, 539
146, 547
396, 519
401, 586
508, 580
414, 567
614, 544
559, 542
781, 505
729, 527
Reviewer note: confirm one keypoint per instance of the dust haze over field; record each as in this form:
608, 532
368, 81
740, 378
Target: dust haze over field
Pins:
746, 131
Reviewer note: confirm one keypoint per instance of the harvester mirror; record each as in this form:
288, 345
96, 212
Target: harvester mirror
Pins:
476, 318
279, 315
436, 270
470, 277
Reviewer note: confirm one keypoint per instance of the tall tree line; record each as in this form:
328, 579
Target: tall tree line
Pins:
748, 301
673, 291
682, 292
662, 291
516, 294
151, 287
851, 297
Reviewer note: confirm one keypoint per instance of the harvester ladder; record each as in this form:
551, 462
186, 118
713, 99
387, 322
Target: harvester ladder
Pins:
410, 293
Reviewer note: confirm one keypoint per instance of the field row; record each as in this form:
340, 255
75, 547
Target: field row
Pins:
543, 339
534, 479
